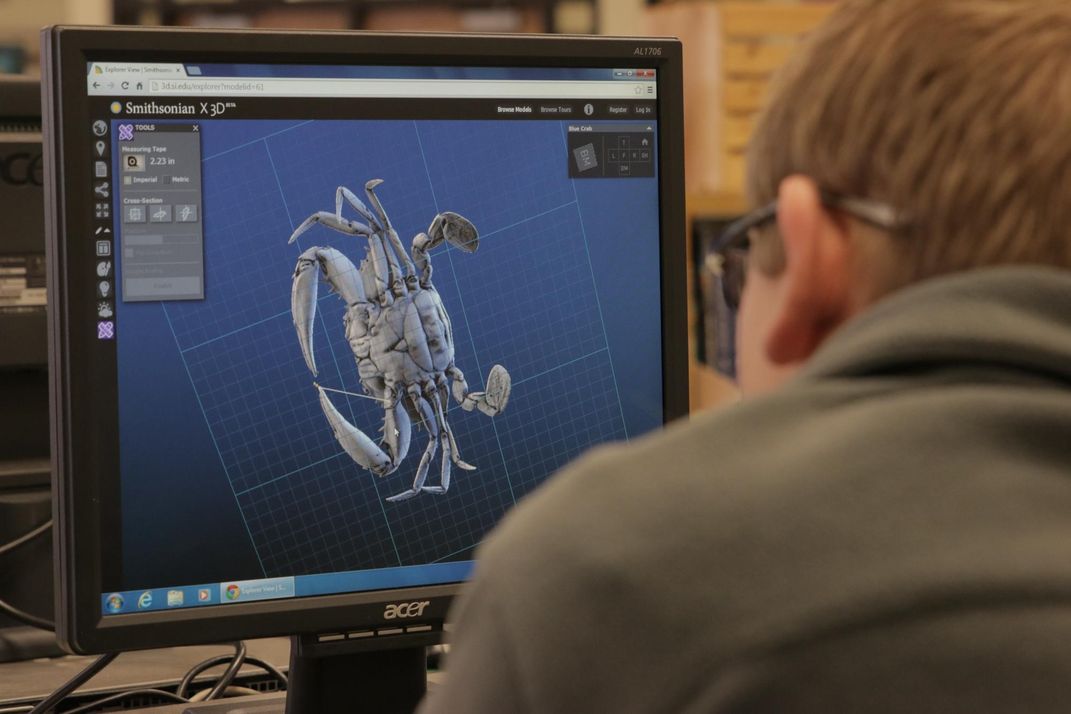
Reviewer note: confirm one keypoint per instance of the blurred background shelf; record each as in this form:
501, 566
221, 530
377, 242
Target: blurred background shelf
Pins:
731, 52
576, 16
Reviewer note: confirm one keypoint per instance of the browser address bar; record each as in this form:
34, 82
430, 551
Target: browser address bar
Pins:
414, 88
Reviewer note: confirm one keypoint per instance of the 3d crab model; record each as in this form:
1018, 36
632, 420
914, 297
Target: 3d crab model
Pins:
400, 335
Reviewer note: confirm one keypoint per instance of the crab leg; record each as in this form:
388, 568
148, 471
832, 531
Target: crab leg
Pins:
395, 256
449, 436
455, 454
420, 257
344, 193
396, 435
380, 263
397, 428
444, 479
491, 401
399, 258
428, 418
450, 227
370, 189
456, 230
354, 442
398, 254
450, 452
392, 235
340, 273
353, 228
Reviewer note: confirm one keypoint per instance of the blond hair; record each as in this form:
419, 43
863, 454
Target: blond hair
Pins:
957, 112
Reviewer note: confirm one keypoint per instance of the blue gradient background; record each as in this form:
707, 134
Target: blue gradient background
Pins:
229, 469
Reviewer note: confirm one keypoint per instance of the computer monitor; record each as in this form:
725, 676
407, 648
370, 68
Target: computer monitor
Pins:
327, 305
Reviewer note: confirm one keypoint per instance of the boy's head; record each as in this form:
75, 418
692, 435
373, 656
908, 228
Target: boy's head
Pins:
953, 112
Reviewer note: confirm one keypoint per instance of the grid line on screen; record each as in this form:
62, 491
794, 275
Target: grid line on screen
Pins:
464, 314
527, 299
598, 302
245, 521
334, 358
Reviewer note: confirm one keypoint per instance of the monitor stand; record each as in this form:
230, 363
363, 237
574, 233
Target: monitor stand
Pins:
341, 677
349, 677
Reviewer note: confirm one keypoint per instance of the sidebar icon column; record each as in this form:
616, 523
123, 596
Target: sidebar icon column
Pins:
102, 232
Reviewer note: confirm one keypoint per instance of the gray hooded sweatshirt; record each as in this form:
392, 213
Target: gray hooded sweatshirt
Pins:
891, 532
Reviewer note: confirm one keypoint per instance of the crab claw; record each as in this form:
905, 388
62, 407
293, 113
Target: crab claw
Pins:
354, 442
341, 275
303, 305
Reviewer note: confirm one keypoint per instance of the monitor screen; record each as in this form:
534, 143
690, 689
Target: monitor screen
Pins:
341, 317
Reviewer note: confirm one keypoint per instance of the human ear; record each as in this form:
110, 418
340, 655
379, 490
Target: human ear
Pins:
817, 281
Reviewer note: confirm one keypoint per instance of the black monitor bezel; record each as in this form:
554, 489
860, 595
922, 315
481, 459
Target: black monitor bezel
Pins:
66, 51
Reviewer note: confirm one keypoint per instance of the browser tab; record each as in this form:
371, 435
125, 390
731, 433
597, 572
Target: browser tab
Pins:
127, 70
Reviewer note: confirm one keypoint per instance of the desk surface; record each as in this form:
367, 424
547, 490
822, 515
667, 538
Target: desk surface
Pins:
22, 682
25, 683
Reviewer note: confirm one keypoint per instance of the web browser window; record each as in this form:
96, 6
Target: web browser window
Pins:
360, 312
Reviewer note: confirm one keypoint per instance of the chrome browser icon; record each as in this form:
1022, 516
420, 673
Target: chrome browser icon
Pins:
233, 592
114, 603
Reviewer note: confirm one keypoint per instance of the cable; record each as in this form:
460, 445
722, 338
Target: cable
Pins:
197, 669
123, 695
75, 682
228, 676
24, 539
231, 691
230, 673
25, 617
221, 688
9, 609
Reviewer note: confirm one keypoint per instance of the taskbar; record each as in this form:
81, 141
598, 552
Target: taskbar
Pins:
242, 591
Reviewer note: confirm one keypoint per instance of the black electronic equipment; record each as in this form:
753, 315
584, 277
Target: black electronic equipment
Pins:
25, 573
506, 206
23, 351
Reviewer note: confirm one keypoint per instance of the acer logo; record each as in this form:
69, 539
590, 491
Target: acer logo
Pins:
21, 169
405, 609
